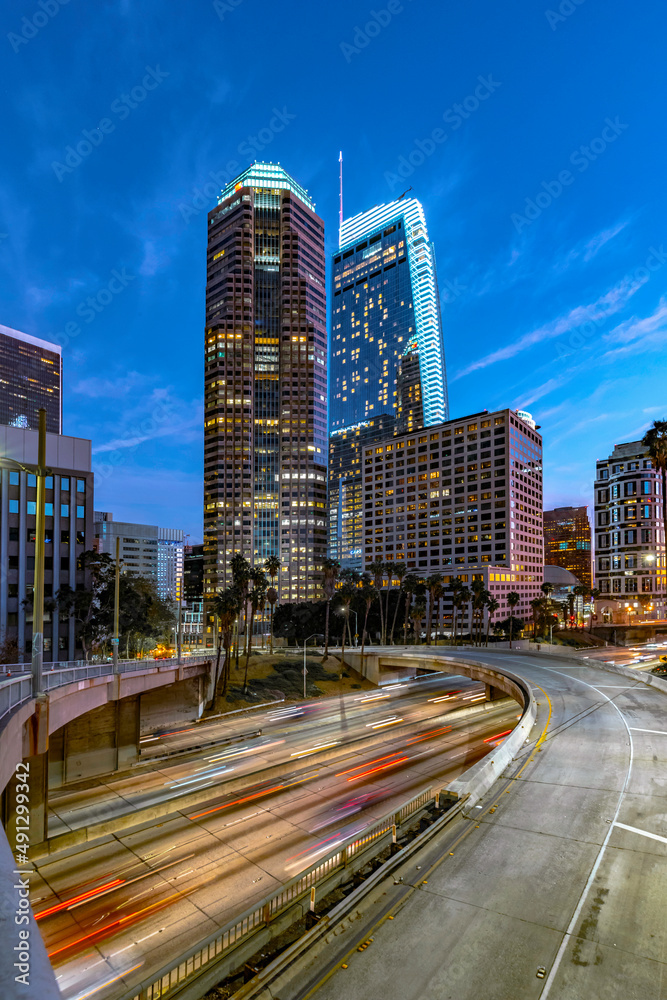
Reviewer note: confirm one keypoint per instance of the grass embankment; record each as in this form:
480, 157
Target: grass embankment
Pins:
270, 676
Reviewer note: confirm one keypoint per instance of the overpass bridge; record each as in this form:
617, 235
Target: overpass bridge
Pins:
88, 722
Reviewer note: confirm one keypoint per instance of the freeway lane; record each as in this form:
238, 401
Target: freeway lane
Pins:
285, 732
563, 869
128, 915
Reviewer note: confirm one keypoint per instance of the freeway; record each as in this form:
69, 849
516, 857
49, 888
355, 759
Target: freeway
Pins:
125, 905
553, 886
280, 733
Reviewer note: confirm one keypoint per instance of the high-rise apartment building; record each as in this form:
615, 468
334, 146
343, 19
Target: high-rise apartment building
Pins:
30, 378
567, 541
68, 533
630, 534
461, 498
265, 437
385, 318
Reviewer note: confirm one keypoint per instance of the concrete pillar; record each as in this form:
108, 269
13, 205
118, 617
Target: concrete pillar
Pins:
493, 693
34, 774
99, 742
127, 732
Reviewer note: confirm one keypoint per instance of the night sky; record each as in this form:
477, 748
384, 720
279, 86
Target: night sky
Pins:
534, 136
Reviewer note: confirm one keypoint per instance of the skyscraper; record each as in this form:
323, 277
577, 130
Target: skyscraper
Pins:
265, 436
567, 541
30, 378
385, 308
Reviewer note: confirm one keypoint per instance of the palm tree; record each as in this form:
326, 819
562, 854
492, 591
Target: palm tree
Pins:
346, 592
272, 567
226, 606
330, 572
655, 440
537, 607
547, 588
463, 598
455, 585
241, 580
492, 606
377, 568
400, 570
255, 598
433, 587
368, 594
272, 597
353, 577
417, 615
389, 571
512, 600
478, 603
595, 596
410, 582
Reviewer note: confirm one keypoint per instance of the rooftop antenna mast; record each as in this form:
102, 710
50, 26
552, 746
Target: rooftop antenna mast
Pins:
340, 196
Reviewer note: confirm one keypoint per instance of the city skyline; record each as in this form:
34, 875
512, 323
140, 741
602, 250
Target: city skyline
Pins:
547, 285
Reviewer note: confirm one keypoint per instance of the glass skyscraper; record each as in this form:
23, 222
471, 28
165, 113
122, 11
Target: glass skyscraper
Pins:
385, 305
30, 378
265, 437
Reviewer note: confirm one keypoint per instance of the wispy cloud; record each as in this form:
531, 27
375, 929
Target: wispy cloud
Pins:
635, 335
606, 305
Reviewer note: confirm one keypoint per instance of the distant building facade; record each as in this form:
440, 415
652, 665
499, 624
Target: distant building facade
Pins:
170, 563
567, 542
409, 408
629, 529
193, 587
461, 498
30, 378
68, 530
145, 550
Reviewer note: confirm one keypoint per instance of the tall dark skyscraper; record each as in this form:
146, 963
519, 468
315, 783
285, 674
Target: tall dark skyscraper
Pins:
567, 541
385, 306
30, 378
265, 437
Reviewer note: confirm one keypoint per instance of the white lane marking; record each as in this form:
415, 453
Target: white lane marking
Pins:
598, 861
643, 833
658, 732
616, 687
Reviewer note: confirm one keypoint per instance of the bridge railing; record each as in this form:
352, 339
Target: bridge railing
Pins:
171, 978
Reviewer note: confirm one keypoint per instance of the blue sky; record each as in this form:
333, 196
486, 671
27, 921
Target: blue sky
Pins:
544, 193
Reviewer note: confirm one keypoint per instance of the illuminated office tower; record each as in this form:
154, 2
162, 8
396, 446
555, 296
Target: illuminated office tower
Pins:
567, 541
30, 377
385, 307
265, 438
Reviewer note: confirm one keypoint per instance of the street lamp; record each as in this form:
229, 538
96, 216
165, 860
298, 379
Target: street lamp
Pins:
40, 472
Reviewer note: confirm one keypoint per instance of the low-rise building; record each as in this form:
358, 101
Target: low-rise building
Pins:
630, 534
68, 530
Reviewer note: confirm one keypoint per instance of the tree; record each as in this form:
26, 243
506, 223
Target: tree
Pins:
547, 589
479, 599
462, 599
537, 607
400, 570
410, 583
435, 591
417, 615
89, 608
377, 568
455, 585
272, 597
330, 573
595, 596
655, 440
241, 580
226, 606
492, 606
368, 594
255, 598
512, 600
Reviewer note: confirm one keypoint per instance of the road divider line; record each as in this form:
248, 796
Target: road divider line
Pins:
642, 833
656, 732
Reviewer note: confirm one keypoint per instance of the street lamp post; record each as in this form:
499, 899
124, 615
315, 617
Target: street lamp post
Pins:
38, 586
356, 626
116, 610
